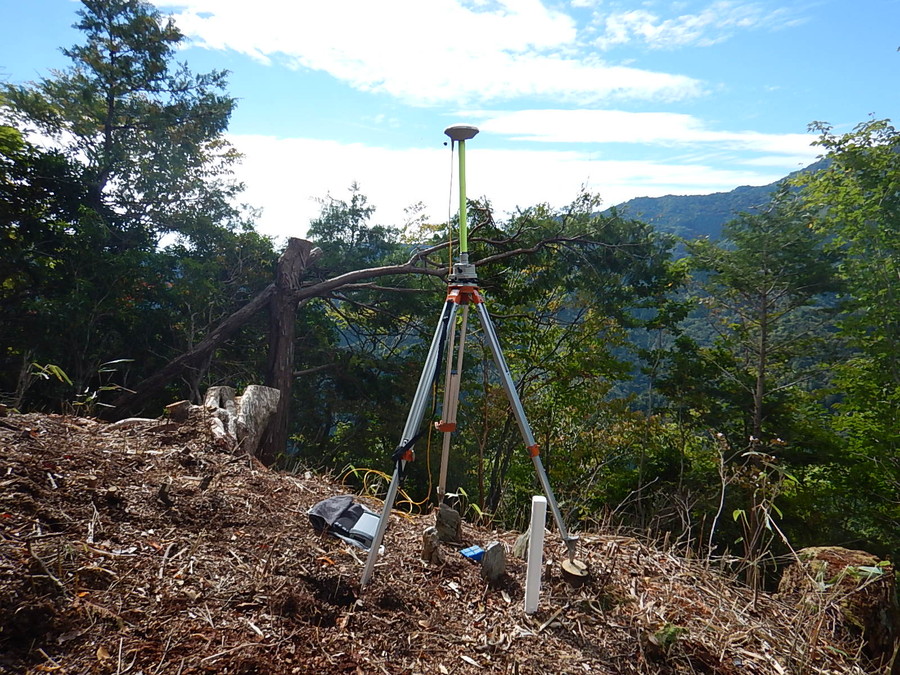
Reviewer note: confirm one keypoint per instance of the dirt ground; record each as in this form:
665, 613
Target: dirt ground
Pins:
148, 548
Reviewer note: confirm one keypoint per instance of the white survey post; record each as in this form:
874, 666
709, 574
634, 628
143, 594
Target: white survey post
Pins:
535, 553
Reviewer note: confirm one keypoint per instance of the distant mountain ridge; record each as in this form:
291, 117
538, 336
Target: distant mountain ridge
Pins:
692, 216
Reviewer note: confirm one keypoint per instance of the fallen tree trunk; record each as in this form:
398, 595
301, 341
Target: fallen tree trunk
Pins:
146, 389
293, 262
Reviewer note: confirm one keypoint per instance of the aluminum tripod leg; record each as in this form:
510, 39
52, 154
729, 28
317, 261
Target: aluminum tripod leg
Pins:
451, 399
524, 428
413, 422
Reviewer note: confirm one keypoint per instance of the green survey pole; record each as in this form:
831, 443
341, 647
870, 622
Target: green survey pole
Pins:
460, 133
463, 216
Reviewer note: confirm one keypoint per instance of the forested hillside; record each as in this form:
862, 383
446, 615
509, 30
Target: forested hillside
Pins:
692, 216
132, 276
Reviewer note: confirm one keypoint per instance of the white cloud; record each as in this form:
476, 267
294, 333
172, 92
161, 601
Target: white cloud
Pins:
285, 177
616, 126
467, 53
394, 179
710, 25
426, 53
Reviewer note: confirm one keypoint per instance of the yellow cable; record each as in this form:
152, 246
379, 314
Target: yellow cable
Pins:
406, 499
427, 458
369, 491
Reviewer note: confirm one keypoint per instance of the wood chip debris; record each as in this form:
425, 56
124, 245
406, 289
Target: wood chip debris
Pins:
109, 575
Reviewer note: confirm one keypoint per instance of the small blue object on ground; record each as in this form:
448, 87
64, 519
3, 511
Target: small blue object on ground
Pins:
475, 553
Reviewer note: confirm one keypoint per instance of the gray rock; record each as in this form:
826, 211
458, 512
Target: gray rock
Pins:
431, 546
520, 548
493, 564
449, 524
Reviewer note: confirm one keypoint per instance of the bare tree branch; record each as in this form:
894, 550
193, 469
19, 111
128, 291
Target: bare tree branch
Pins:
221, 333
378, 287
314, 369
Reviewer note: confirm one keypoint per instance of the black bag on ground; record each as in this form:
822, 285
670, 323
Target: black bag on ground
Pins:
345, 518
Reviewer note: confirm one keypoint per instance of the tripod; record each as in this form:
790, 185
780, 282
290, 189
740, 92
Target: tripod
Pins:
462, 293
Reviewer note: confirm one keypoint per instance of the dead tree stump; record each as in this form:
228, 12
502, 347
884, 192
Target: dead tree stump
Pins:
240, 421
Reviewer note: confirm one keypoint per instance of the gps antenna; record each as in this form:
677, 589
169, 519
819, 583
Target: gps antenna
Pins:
460, 133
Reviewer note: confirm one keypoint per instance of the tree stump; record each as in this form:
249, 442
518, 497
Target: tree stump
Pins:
857, 587
254, 409
520, 548
575, 572
241, 420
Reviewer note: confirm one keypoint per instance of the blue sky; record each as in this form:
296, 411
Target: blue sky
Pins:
626, 98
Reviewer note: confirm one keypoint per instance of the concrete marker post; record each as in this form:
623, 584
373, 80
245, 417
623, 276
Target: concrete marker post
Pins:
535, 553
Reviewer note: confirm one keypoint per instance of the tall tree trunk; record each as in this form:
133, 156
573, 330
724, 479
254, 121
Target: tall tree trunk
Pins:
282, 326
762, 356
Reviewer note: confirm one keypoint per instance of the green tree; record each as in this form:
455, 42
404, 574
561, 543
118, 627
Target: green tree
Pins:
138, 152
858, 199
348, 238
40, 197
766, 291
148, 133
765, 287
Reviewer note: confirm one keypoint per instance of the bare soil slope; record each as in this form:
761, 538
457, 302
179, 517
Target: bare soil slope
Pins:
149, 549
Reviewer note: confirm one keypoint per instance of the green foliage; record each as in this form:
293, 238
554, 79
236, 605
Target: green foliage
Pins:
348, 239
858, 197
753, 375
149, 134
89, 401
667, 636
50, 370
139, 152
763, 292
